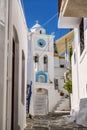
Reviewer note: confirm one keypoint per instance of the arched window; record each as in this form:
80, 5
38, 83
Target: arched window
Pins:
45, 63
41, 79
36, 58
40, 31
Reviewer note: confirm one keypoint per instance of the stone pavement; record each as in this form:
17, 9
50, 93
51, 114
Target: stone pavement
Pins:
52, 122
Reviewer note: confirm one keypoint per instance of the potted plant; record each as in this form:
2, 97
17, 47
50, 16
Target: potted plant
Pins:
68, 86
61, 93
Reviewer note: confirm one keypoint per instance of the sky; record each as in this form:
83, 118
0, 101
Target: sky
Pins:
46, 12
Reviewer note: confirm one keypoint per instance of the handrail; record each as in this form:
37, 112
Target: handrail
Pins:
29, 95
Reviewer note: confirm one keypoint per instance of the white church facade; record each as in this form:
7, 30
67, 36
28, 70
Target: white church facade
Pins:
41, 71
76, 19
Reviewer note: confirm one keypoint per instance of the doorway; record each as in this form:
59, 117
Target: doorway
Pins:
15, 82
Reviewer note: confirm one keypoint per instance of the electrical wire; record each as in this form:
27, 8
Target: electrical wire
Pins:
49, 20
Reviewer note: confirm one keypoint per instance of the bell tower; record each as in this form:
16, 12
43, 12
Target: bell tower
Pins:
42, 70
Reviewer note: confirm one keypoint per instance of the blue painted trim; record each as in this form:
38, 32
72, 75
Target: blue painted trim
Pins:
41, 40
41, 73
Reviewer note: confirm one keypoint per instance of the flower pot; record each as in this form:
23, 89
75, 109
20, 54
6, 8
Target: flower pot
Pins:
61, 94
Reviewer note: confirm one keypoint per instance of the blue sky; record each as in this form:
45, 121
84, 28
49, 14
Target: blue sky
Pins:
43, 11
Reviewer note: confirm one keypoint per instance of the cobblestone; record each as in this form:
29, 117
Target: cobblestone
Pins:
52, 122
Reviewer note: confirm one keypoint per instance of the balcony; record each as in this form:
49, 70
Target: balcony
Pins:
74, 8
66, 21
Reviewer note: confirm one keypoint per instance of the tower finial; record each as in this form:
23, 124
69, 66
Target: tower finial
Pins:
37, 22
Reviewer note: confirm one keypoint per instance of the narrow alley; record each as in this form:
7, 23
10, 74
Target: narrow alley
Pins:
43, 64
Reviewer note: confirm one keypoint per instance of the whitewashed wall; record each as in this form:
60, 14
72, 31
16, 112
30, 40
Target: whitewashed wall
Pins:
79, 69
59, 72
83, 66
20, 25
2, 78
2, 10
18, 21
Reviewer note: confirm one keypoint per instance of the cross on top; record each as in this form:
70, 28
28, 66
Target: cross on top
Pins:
37, 22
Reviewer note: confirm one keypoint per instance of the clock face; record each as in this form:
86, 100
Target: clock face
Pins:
41, 43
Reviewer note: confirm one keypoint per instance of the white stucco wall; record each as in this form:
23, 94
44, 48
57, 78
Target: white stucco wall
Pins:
3, 66
20, 25
42, 52
52, 95
2, 10
2, 78
79, 71
59, 72
18, 21
83, 66
75, 96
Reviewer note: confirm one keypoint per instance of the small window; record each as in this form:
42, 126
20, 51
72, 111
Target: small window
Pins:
45, 60
56, 83
41, 79
41, 43
55, 49
40, 32
81, 36
36, 59
61, 66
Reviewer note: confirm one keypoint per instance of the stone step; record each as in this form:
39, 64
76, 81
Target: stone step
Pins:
40, 104
62, 105
56, 128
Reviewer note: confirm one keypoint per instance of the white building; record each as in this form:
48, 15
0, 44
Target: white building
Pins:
13, 65
59, 70
72, 15
41, 71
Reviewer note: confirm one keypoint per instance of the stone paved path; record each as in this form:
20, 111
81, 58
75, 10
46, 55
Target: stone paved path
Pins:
52, 122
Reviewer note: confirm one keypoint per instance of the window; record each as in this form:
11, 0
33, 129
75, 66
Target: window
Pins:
41, 43
40, 32
61, 66
56, 83
41, 76
45, 63
55, 49
41, 79
81, 36
36, 58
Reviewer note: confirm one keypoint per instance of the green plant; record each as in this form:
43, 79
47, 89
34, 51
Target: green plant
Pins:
68, 86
